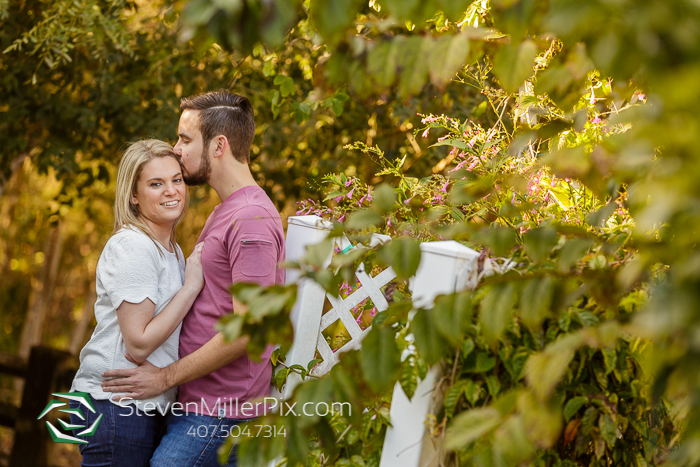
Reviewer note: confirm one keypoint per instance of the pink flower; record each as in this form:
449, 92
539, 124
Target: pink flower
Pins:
350, 193
408, 200
454, 150
444, 187
388, 222
592, 99
471, 142
373, 311
553, 178
459, 166
425, 133
342, 218
642, 96
338, 198
369, 194
596, 119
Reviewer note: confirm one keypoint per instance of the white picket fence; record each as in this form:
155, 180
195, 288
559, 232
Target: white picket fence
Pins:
445, 267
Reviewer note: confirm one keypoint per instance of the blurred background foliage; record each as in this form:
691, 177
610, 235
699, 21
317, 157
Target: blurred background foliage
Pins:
560, 81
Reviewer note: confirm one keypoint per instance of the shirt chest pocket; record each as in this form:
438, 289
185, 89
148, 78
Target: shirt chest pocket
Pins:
257, 257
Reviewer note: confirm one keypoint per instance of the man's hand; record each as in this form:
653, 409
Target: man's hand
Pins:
142, 382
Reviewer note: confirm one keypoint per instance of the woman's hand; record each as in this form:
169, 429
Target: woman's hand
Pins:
194, 276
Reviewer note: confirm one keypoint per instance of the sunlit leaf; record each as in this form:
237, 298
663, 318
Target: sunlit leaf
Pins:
495, 310
513, 65
470, 426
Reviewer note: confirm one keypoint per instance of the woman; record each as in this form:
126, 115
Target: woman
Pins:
144, 291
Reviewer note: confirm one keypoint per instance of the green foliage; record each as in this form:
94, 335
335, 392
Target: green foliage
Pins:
544, 366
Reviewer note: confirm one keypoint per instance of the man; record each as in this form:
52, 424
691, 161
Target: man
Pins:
243, 242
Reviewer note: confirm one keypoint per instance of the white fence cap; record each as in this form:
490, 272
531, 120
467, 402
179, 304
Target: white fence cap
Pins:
449, 248
313, 222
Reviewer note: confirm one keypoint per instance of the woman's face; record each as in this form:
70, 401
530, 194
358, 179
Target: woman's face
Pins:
160, 192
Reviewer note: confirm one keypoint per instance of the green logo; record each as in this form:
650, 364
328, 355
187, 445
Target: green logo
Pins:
84, 399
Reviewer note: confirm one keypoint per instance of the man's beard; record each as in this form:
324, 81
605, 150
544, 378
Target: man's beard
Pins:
201, 176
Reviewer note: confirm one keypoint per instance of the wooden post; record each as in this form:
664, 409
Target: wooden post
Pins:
49, 370
445, 268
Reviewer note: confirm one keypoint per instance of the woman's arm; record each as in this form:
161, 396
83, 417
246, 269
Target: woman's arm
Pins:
143, 333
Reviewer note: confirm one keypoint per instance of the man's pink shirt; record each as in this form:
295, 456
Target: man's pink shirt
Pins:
243, 242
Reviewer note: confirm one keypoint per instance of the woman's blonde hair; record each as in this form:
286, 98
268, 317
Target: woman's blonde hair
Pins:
126, 214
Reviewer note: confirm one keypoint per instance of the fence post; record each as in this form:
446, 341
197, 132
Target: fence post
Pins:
303, 231
48, 370
445, 268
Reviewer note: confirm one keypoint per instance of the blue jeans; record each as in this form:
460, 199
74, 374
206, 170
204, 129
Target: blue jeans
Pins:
194, 440
125, 437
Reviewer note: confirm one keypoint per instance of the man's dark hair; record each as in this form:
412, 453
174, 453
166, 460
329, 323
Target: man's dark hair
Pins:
224, 113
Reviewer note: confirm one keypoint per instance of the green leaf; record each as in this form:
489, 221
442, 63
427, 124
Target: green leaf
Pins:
364, 218
495, 310
451, 314
608, 430
409, 377
470, 426
472, 391
313, 363
588, 420
446, 57
515, 362
400, 9
454, 143
454, 9
384, 198
312, 392
609, 358
382, 62
539, 242
337, 107
333, 17
467, 348
429, 343
513, 65
587, 318
599, 217
545, 370
319, 253
484, 363
404, 255
572, 252
297, 444
413, 64
452, 397
380, 358
397, 312
480, 109
536, 301
543, 418
499, 239
572, 406
281, 378
494, 385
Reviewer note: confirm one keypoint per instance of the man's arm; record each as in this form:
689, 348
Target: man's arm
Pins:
148, 380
